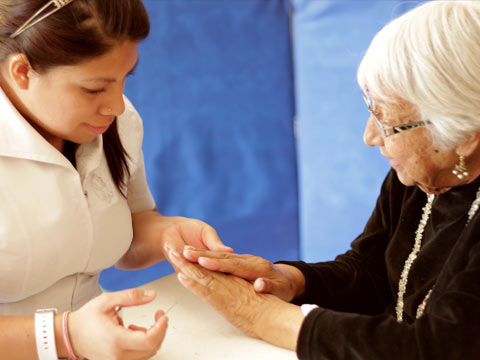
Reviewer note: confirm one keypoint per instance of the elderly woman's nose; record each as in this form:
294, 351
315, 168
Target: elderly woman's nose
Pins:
372, 135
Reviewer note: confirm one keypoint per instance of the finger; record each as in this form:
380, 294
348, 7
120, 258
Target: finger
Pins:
262, 285
130, 297
244, 266
193, 285
143, 340
193, 254
137, 328
156, 334
120, 320
189, 269
159, 314
212, 242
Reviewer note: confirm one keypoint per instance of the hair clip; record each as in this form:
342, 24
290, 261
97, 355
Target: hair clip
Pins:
39, 16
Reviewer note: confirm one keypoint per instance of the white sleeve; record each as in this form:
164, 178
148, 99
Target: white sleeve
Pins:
138, 193
130, 129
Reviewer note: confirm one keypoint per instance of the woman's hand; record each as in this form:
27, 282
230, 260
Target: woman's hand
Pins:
177, 232
153, 231
97, 331
284, 281
262, 316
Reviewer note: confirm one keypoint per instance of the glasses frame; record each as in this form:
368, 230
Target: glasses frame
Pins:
389, 131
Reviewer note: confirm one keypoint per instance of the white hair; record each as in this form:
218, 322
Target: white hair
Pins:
430, 57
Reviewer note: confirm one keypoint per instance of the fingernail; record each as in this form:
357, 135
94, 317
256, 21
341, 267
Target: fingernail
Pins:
182, 276
149, 293
188, 247
260, 285
174, 253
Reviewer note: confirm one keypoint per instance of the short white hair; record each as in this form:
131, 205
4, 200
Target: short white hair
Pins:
430, 57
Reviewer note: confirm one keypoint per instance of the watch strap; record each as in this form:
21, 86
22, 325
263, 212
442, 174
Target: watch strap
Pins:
45, 334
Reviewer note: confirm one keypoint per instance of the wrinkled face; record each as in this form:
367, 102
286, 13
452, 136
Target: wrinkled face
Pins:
411, 153
79, 102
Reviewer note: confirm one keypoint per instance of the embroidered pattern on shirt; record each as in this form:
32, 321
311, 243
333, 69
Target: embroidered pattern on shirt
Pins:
101, 189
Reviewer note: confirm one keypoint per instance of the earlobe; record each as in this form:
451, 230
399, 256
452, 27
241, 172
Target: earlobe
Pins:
470, 146
20, 71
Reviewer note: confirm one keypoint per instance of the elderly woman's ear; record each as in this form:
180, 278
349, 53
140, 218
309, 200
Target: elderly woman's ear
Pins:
469, 146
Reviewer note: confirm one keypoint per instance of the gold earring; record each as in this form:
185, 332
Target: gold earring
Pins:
460, 168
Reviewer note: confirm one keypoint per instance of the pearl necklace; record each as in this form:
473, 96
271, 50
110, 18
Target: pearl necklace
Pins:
402, 284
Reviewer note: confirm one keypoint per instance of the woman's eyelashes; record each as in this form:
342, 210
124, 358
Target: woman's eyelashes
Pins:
94, 91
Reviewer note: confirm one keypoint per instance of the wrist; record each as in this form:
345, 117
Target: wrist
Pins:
295, 278
279, 323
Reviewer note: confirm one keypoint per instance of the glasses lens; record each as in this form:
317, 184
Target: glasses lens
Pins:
368, 99
380, 126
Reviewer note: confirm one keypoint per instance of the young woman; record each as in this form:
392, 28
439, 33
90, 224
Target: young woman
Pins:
73, 194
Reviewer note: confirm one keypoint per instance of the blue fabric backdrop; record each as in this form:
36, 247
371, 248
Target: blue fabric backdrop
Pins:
214, 88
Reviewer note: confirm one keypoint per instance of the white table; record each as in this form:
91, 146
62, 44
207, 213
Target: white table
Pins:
195, 330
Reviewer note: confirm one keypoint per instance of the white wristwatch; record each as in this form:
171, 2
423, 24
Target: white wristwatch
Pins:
45, 334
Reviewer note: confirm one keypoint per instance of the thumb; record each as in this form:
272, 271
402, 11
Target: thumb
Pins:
125, 298
263, 285
212, 241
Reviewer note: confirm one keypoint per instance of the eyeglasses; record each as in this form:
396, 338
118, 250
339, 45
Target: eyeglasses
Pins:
389, 131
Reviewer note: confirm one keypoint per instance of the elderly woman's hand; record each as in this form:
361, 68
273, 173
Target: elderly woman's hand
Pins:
282, 280
262, 316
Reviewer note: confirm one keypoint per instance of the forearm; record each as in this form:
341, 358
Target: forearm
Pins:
18, 337
146, 248
280, 324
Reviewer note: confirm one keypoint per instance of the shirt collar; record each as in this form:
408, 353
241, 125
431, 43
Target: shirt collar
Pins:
19, 139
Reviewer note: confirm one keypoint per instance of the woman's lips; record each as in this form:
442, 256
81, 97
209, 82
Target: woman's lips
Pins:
97, 129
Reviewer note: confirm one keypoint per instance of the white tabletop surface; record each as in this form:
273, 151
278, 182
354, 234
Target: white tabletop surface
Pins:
195, 330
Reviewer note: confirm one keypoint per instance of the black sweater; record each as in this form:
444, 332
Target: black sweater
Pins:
357, 292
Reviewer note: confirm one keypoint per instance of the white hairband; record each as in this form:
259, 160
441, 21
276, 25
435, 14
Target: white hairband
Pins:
40, 15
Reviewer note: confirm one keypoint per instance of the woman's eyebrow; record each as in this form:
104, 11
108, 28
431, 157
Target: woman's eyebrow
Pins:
111, 80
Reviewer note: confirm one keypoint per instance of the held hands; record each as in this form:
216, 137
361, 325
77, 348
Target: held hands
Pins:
97, 331
283, 281
153, 231
233, 297
262, 316
177, 232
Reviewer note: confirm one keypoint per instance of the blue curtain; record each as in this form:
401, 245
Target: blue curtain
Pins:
214, 88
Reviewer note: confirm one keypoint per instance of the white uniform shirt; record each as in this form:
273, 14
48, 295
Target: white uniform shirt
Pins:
60, 226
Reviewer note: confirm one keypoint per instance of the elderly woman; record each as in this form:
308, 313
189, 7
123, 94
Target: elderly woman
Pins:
409, 286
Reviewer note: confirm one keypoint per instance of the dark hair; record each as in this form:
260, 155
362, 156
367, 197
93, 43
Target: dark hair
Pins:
80, 31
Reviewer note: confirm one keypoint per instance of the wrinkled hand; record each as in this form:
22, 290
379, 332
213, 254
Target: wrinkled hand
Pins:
281, 280
97, 331
232, 296
263, 316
